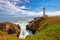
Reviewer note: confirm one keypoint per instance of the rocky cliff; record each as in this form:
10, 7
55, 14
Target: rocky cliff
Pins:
34, 24
48, 29
10, 28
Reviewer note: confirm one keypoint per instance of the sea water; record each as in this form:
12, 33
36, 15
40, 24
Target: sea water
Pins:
22, 22
24, 32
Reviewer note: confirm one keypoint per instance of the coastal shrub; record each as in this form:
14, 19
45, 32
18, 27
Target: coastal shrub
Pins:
49, 29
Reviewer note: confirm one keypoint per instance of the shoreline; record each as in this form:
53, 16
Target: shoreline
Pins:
24, 31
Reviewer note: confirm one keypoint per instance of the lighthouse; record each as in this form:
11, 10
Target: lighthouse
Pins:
43, 11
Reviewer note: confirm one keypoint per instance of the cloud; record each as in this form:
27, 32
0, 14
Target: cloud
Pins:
49, 13
7, 7
13, 1
22, 7
53, 13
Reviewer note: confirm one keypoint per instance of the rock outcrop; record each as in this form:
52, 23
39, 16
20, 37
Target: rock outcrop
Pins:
10, 28
33, 25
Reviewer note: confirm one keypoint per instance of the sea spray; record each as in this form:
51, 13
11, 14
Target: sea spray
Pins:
22, 21
24, 31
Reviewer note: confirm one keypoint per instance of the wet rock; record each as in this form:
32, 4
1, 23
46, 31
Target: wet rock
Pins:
10, 28
34, 24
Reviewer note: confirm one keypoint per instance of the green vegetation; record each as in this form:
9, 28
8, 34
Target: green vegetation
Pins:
5, 36
49, 29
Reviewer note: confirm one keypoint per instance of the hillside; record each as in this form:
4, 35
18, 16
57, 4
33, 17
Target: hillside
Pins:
9, 31
5, 36
48, 29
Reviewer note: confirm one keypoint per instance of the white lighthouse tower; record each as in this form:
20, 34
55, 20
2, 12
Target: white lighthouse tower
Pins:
43, 11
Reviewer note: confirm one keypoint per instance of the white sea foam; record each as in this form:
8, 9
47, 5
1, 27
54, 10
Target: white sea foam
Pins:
24, 32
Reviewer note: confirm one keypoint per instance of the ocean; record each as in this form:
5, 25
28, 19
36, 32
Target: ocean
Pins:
22, 21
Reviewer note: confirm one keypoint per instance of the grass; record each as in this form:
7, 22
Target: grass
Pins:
5, 36
49, 29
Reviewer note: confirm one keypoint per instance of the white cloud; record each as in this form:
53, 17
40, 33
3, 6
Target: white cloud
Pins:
53, 13
22, 7
8, 7
50, 13
15, 1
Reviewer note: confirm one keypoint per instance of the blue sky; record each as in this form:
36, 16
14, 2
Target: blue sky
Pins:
37, 5
29, 7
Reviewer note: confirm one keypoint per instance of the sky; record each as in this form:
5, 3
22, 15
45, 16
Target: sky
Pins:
23, 8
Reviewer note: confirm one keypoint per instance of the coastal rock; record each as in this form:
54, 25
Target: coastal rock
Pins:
10, 28
34, 24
